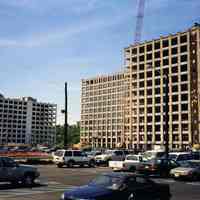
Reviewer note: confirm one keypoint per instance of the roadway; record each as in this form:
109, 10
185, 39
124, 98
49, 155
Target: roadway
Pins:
54, 181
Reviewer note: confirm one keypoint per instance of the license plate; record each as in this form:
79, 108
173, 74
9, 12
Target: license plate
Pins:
147, 167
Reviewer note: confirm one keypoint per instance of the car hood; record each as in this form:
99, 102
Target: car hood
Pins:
103, 156
182, 169
87, 192
28, 167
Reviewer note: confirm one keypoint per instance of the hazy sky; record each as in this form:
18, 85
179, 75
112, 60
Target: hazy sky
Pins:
44, 43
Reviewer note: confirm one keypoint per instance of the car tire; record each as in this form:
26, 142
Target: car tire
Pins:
165, 198
91, 163
164, 174
14, 183
59, 165
70, 164
107, 162
28, 180
195, 177
132, 169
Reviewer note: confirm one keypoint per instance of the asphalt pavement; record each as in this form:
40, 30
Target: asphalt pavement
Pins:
53, 181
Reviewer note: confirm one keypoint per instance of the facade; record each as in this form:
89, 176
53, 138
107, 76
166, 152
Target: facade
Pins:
146, 66
178, 56
26, 121
102, 111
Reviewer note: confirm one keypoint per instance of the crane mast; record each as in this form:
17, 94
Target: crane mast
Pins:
139, 21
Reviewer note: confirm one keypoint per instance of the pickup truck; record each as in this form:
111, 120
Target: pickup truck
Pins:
10, 171
109, 155
129, 164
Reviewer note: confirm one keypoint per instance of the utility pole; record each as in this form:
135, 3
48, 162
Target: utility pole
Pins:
66, 123
166, 136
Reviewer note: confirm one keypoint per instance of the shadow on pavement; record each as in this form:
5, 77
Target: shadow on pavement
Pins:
8, 186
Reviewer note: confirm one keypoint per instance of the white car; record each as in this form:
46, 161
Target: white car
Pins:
71, 158
153, 154
116, 155
129, 164
189, 170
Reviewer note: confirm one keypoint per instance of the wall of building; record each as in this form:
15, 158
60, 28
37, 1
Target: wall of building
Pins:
143, 107
22, 119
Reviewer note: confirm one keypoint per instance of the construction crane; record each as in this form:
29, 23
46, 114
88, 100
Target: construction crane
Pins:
139, 21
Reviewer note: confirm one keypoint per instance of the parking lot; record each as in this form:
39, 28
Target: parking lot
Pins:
53, 181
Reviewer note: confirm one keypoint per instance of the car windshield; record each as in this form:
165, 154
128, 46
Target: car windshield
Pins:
59, 153
191, 164
108, 152
131, 158
149, 155
109, 182
172, 156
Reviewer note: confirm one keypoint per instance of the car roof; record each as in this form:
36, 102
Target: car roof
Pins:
136, 155
179, 153
67, 150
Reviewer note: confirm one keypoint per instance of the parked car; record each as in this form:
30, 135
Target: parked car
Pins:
71, 158
129, 164
180, 157
189, 170
153, 154
92, 154
116, 185
160, 167
110, 155
196, 155
10, 171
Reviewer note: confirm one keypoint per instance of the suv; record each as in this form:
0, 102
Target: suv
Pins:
10, 171
181, 157
71, 158
115, 155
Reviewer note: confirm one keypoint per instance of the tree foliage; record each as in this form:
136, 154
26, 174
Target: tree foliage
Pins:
73, 135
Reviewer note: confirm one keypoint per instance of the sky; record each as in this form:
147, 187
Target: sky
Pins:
44, 43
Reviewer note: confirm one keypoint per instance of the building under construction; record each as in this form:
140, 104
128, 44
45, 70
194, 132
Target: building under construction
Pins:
139, 95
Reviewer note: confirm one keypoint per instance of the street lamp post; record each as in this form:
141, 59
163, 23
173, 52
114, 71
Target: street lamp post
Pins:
166, 115
66, 119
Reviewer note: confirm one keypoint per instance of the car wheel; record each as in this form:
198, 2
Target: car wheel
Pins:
14, 183
107, 162
132, 169
70, 164
92, 163
195, 177
28, 180
164, 174
59, 165
165, 198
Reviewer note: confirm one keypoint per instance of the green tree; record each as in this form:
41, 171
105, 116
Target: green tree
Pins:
73, 135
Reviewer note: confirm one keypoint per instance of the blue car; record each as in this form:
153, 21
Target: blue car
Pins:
119, 186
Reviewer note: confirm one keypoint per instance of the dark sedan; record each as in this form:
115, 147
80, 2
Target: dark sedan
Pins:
119, 186
160, 167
